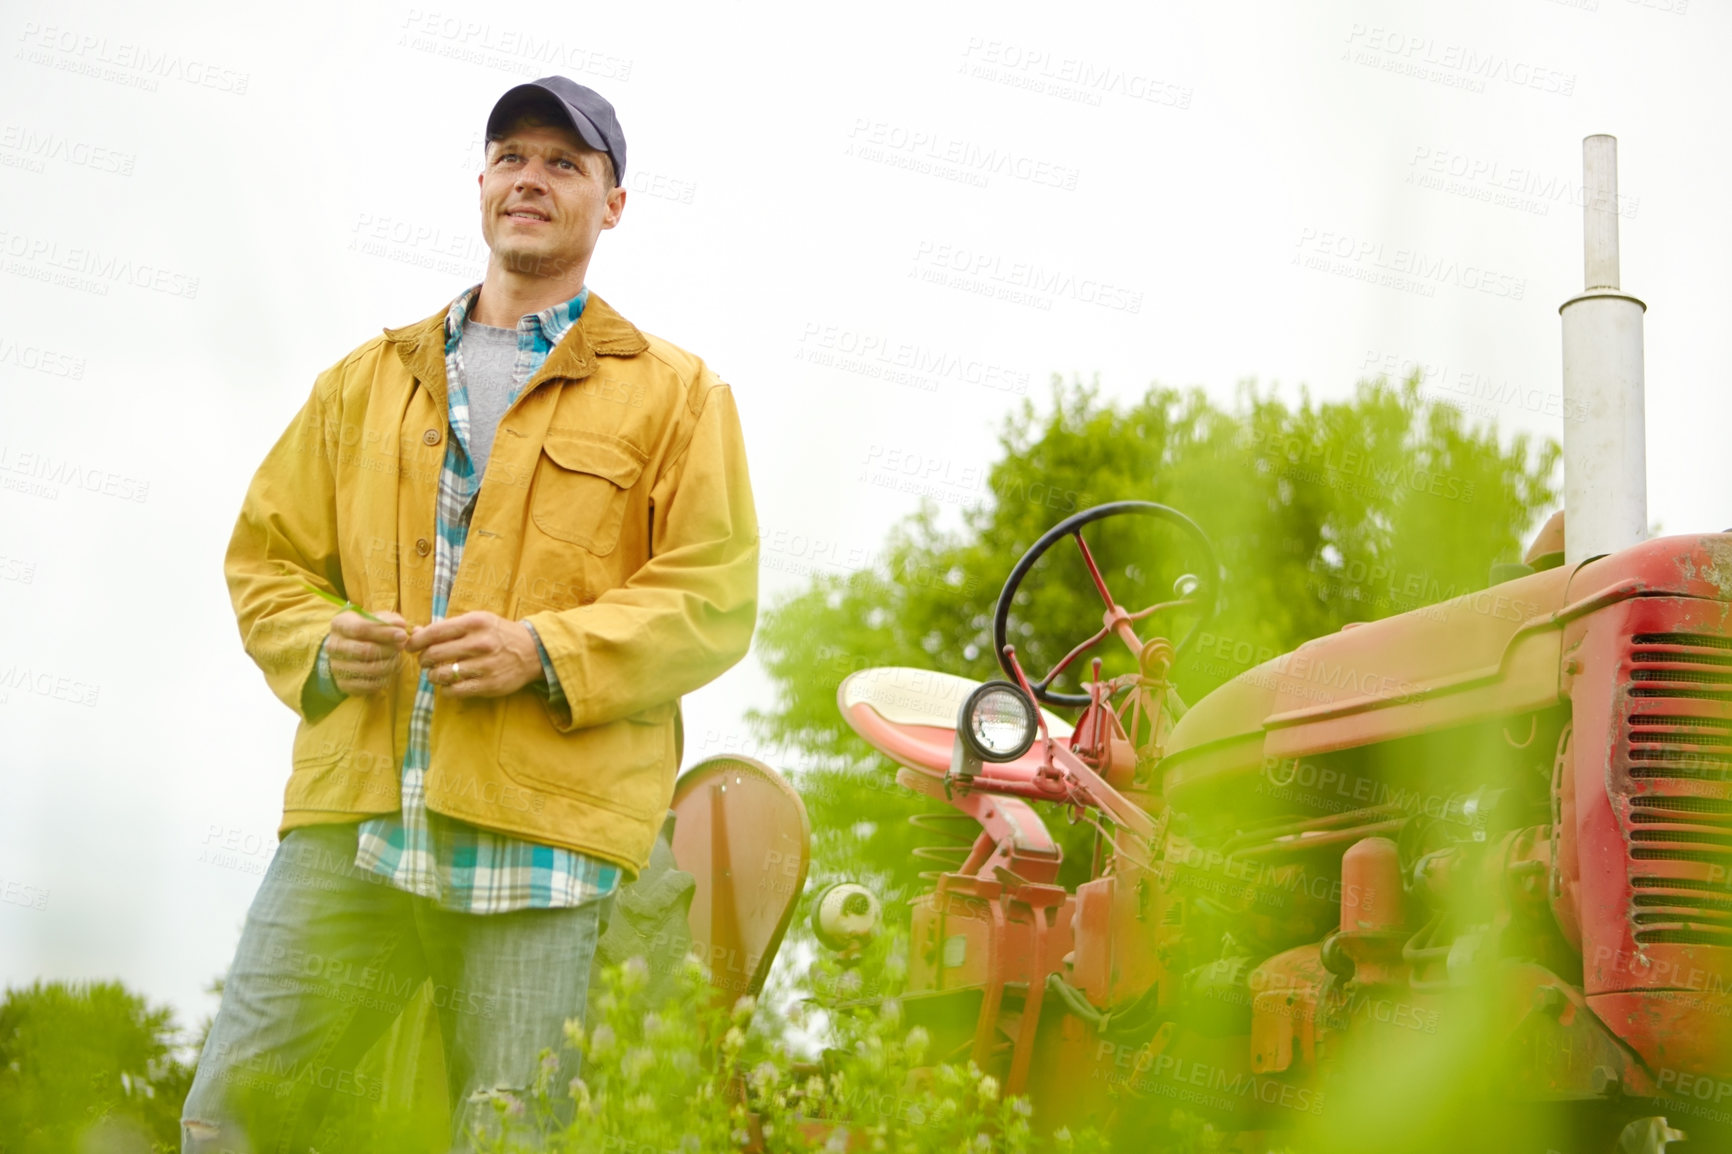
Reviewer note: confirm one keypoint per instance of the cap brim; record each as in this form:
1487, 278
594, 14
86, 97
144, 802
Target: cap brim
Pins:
526, 96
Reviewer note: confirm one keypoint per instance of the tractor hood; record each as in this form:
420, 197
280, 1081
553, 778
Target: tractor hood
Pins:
1486, 654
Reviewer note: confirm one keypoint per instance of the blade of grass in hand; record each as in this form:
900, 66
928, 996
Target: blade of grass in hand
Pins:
340, 603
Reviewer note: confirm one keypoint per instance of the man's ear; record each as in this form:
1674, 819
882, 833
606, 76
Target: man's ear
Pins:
615, 206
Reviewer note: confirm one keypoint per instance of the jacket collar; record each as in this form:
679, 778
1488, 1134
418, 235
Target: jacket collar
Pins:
600, 331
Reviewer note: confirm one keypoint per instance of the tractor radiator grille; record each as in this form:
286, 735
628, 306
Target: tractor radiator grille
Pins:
1666, 910
1678, 736
1679, 742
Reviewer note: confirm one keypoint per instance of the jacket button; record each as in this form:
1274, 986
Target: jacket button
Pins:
431, 436
423, 547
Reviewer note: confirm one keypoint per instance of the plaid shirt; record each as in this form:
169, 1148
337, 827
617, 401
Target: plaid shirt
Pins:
461, 866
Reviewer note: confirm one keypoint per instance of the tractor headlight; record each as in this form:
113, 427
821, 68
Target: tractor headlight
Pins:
998, 722
845, 915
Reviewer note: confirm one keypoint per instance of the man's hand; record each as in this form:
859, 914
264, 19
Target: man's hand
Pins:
477, 654
363, 653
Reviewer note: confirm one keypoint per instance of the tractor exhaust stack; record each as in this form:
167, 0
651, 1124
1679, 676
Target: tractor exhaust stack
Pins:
1605, 455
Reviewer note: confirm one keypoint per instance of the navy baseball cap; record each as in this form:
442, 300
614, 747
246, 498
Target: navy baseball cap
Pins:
586, 110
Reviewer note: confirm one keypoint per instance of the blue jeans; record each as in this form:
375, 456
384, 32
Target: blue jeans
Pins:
328, 958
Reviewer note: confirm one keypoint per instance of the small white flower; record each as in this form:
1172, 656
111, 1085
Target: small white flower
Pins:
634, 974
637, 1061
988, 1088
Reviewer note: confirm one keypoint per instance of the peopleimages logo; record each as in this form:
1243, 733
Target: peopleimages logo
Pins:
1066, 77
1458, 65
1019, 282
1473, 391
1200, 1082
50, 472
25, 678
17, 893
38, 359
1495, 182
512, 47
909, 363
88, 269
1370, 257
885, 142
35, 149
135, 65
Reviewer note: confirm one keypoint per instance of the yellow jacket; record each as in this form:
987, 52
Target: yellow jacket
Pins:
616, 515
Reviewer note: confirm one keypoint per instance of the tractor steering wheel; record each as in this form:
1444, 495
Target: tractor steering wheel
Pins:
1200, 596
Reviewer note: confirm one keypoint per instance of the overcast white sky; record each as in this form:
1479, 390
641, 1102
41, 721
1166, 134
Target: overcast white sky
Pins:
201, 208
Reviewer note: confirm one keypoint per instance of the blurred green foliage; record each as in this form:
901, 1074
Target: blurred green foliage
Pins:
689, 1074
1321, 513
88, 1067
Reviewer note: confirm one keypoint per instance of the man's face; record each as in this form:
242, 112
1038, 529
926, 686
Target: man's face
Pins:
545, 197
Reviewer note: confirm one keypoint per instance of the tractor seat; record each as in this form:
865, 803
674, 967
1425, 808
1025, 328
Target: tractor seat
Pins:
909, 715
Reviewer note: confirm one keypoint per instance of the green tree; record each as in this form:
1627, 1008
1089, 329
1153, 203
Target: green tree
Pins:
88, 1067
1322, 513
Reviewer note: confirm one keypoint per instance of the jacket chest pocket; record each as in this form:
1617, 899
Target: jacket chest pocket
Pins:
581, 487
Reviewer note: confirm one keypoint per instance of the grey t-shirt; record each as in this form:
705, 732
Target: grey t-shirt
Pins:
489, 356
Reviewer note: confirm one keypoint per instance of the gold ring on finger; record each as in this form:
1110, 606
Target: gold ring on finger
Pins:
456, 671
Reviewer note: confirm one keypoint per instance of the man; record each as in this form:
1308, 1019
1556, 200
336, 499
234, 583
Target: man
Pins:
541, 522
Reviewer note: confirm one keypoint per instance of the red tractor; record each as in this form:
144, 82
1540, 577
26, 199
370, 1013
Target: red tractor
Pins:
1458, 878
1517, 811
